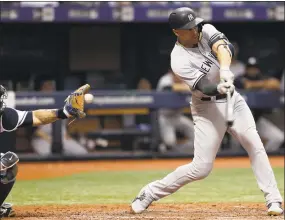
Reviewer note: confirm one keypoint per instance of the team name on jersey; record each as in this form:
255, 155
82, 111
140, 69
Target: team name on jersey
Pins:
206, 65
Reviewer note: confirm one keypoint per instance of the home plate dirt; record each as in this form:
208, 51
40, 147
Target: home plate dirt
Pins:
159, 211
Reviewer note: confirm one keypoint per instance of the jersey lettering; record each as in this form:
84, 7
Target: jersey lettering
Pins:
206, 65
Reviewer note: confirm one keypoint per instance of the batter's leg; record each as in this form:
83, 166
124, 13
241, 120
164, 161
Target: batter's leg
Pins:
209, 131
245, 130
167, 131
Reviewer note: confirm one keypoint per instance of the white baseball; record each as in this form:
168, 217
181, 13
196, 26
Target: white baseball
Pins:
88, 98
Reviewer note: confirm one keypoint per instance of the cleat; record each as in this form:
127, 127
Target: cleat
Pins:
274, 209
6, 210
141, 202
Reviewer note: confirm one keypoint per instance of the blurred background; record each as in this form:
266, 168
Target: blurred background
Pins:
48, 49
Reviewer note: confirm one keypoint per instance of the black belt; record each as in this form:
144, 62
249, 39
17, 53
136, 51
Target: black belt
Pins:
213, 98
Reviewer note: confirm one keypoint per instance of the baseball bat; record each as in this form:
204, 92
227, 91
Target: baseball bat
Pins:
229, 110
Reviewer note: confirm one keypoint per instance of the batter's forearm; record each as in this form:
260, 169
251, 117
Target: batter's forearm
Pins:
206, 87
44, 116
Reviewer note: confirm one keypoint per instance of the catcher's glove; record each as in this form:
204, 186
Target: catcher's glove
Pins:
74, 103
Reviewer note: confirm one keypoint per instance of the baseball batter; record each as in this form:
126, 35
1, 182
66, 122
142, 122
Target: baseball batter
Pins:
11, 119
202, 57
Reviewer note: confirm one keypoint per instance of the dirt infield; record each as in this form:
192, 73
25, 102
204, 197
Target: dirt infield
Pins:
158, 211
205, 211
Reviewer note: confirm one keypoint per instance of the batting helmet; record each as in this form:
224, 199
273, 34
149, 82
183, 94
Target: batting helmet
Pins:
184, 18
3, 95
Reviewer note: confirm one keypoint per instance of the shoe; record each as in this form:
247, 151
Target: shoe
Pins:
141, 202
6, 210
275, 209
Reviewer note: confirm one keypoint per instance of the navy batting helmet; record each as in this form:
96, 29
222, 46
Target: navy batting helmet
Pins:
184, 18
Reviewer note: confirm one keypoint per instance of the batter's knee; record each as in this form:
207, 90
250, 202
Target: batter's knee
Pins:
196, 170
200, 170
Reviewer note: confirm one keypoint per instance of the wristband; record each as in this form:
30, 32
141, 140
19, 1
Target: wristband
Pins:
225, 68
61, 114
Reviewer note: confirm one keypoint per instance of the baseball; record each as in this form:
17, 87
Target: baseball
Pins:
88, 98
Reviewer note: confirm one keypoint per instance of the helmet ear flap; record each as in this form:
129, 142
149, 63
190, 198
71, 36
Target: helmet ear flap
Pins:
200, 27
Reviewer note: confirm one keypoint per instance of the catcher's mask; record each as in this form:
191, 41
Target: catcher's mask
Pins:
3, 95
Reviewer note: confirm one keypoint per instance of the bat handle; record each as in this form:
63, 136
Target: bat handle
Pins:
228, 96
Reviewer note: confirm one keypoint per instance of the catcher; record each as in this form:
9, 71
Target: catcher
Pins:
11, 119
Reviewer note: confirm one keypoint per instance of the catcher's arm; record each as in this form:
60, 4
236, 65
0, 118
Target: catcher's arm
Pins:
74, 108
44, 116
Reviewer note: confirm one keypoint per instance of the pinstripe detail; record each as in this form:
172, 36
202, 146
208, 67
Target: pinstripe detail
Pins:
214, 36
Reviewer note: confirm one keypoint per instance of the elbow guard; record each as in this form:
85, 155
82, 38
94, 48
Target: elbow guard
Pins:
220, 36
216, 37
232, 49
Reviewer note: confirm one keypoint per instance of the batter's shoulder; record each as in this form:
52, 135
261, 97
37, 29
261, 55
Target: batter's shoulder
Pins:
209, 31
208, 27
177, 52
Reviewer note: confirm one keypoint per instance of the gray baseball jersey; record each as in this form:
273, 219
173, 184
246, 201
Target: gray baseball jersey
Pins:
191, 64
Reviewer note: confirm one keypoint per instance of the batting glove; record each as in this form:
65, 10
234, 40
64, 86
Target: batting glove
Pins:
224, 87
226, 75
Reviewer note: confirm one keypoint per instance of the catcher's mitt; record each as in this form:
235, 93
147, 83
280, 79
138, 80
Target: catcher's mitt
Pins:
74, 103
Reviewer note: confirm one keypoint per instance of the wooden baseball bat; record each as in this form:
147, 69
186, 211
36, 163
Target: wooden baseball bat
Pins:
229, 110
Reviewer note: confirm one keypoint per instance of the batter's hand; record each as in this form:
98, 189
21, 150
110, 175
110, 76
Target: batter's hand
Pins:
74, 103
226, 75
224, 87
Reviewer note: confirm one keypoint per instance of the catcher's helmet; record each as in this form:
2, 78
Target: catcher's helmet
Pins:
3, 95
184, 18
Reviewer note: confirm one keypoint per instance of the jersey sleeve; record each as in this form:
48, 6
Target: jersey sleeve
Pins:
13, 119
186, 72
212, 35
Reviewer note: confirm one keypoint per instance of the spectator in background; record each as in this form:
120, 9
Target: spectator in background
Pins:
282, 82
253, 79
144, 85
42, 140
172, 120
143, 121
237, 67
